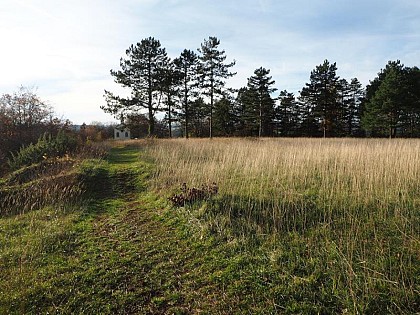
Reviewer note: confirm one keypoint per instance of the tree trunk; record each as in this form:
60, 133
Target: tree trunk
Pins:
186, 108
260, 120
169, 116
151, 129
211, 107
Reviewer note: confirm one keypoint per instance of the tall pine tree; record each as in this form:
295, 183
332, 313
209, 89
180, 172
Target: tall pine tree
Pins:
187, 65
224, 117
413, 102
287, 114
320, 95
246, 115
142, 72
260, 85
385, 103
354, 108
214, 71
169, 86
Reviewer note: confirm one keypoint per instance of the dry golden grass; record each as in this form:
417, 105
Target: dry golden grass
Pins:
305, 181
354, 199
346, 172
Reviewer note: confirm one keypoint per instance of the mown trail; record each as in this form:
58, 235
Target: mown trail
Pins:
123, 251
157, 264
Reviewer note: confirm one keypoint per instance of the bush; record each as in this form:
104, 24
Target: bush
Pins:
46, 147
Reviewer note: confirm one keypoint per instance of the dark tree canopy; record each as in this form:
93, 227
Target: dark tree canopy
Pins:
187, 65
287, 114
261, 87
320, 95
141, 72
170, 80
392, 102
214, 71
245, 113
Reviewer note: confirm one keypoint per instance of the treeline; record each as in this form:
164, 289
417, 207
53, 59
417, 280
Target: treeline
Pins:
29, 129
24, 117
191, 91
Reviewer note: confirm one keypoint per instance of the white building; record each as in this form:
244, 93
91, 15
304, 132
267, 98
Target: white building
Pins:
122, 133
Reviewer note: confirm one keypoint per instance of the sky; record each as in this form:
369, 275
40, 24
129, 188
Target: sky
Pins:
65, 50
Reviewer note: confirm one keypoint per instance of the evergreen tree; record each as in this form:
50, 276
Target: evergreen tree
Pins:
214, 72
260, 85
309, 126
413, 102
187, 67
224, 117
385, 106
142, 72
321, 97
246, 115
288, 114
354, 108
199, 117
392, 105
169, 87
343, 104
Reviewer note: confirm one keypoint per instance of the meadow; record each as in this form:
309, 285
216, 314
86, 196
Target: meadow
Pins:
350, 207
283, 226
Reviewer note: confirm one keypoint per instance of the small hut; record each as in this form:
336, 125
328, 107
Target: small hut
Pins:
121, 132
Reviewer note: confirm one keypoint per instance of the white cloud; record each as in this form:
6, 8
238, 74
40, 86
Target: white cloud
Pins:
81, 100
67, 48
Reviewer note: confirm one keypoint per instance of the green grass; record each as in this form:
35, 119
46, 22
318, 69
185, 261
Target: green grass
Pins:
123, 249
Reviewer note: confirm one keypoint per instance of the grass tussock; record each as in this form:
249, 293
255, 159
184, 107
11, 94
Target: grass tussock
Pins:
51, 182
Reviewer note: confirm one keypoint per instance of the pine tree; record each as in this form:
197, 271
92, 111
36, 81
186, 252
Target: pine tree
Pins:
260, 85
224, 117
142, 72
169, 86
309, 125
413, 102
321, 97
214, 72
187, 66
199, 117
287, 114
354, 108
246, 115
386, 103
343, 104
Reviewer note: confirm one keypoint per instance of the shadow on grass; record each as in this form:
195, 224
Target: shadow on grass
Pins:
102, 182
123, 155
247, 218
121, 176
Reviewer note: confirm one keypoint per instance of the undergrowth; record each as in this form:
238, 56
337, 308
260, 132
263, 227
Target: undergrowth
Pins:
46, 147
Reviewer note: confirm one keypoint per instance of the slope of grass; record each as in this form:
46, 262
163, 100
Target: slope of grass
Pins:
125, 250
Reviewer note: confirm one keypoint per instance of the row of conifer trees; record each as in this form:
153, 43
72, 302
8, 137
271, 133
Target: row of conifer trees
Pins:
191, 91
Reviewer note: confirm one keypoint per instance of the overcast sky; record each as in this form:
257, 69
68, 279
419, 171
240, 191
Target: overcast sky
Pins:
66, 48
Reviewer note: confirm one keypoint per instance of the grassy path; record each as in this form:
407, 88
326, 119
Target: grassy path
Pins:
122, 253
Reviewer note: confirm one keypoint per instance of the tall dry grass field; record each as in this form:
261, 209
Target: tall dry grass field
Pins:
354, 203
